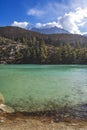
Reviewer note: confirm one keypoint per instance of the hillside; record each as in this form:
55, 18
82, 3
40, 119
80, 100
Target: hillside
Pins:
18, 46
16, 33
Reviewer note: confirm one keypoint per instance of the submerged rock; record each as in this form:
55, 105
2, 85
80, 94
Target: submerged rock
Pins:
6, 109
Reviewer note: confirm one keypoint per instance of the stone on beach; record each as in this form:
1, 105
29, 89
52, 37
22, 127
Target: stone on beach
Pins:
6, 109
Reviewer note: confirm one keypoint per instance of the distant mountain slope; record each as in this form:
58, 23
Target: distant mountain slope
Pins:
16, 33
52, 30
85, 35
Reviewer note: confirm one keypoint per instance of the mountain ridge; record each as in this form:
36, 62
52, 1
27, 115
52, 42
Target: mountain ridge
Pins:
50, 30
15, 33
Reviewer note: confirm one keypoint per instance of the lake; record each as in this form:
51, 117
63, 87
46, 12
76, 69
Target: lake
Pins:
32, 87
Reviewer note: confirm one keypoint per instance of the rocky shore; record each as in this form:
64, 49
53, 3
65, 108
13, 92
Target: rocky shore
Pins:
11, 120
72, 119
19, 121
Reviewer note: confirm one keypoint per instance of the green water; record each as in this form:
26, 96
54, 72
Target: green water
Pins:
31, 86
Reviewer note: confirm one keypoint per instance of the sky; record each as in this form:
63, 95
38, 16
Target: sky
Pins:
70, 15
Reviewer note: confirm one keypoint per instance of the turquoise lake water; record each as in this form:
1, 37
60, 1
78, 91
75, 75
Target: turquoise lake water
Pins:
31, 86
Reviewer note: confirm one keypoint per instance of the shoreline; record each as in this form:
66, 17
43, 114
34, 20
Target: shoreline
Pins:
65, 119
24, 121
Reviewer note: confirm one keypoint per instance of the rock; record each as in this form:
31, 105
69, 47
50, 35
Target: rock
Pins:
6, 109
2, 121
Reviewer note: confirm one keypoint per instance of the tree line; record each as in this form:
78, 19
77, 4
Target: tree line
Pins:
38, 51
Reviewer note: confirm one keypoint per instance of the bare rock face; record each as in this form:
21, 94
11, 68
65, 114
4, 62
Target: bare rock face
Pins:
1, 99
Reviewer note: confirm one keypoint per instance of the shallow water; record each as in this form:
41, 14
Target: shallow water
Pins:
31, 86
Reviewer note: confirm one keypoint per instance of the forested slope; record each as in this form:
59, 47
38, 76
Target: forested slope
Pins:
18, 46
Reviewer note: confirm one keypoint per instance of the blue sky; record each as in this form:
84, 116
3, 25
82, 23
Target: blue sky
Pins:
70, 15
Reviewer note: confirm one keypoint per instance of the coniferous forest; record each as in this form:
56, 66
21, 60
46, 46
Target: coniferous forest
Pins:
20, 46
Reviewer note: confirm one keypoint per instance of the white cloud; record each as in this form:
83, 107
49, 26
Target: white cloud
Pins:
20, 24
73, 20
35, 12
78, 3
84, 33
49, 11
82, 24
48, 25
68, 14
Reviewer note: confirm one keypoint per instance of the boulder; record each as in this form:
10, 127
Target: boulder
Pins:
6, 109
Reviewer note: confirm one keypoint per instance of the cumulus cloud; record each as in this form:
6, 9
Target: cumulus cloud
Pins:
67, 14
71, 21
20, 24
35, 12
71, 17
